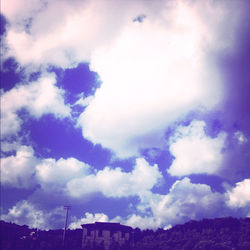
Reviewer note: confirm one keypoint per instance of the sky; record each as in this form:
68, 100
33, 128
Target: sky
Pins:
135, 112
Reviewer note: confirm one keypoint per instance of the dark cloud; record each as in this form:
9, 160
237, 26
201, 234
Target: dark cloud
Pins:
235, 115
3, 24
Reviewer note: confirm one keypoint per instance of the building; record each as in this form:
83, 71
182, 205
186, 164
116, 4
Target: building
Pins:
106, 235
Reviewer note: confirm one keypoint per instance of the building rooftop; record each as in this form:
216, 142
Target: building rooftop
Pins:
107, 226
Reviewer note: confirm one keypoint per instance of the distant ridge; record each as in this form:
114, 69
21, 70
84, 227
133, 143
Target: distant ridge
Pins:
213, 234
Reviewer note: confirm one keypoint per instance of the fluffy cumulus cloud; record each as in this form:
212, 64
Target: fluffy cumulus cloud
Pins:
157, 62
138, 61
142, 222
143, 90
24, 170
117, 183
69, 39
185, 200
194, 151
75, 178
132, 220
188, 200
135, 112
238, 197
26, 213
89, 218
38, 98
18, 171
52, 174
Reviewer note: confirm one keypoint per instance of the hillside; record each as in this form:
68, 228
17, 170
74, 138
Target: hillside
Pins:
214, 234
220, 233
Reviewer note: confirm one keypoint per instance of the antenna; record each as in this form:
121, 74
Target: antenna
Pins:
66, 222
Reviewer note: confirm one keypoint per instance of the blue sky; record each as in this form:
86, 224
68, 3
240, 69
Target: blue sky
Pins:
135, 112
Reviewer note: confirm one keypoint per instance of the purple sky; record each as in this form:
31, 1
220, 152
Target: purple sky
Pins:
135, 112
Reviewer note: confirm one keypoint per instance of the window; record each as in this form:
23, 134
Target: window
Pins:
100, 233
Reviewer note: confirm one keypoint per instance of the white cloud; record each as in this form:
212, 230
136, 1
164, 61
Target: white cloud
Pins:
19, 12
239, 196
9, 146
153, 74
19, 170
75, 178
69, 39
24, 170
52, 174
26, 213
142, 222
132, 220
240, 137
116, 183
84, 101
185, 200
194, 151
89, 218
38, 98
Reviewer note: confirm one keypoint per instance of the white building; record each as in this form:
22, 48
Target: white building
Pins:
105, 234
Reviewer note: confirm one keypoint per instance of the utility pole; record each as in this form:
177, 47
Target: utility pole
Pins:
66, 222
